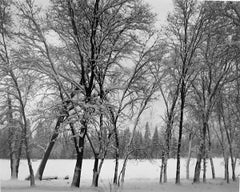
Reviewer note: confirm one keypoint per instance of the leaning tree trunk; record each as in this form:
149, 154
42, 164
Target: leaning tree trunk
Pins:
47, 153
212, 167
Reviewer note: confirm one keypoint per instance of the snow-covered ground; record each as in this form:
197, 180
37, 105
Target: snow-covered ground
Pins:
140, 176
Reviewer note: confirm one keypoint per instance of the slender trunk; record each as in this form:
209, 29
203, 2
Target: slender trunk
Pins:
233, 166
162, 165
121, 176
189, 155
47, 153
204, 154
78, 166
32, 179
115, 178
209, 153
167, 149
231, 155
204, 168
116, 169
196, 178
177, 181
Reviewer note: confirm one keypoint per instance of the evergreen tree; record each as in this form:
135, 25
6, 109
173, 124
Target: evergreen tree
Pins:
138, 146
156, 147
147, 141
124, 139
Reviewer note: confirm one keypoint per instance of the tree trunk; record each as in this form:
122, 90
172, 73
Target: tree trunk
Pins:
32, 179
78, 166
189, 155
95, 172
115, 178
180, 132
165, 170
201, 154
121, 176
212, 168
204, 168
116, 169
167, 149
15, 148
47, 153
99, 170
209, 153
233, 167
162, 165
226, 170
13, 165
196, 178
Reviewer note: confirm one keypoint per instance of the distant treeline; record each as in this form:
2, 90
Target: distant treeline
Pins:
148, 144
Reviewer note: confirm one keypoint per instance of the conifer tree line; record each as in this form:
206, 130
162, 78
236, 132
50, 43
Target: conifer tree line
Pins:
77, 77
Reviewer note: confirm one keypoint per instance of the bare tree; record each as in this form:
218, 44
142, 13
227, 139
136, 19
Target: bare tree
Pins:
185, 31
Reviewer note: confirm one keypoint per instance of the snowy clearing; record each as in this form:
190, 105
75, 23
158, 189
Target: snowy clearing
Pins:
140, 176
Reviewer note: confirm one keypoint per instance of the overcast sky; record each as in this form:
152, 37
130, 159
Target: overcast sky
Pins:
161, 8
